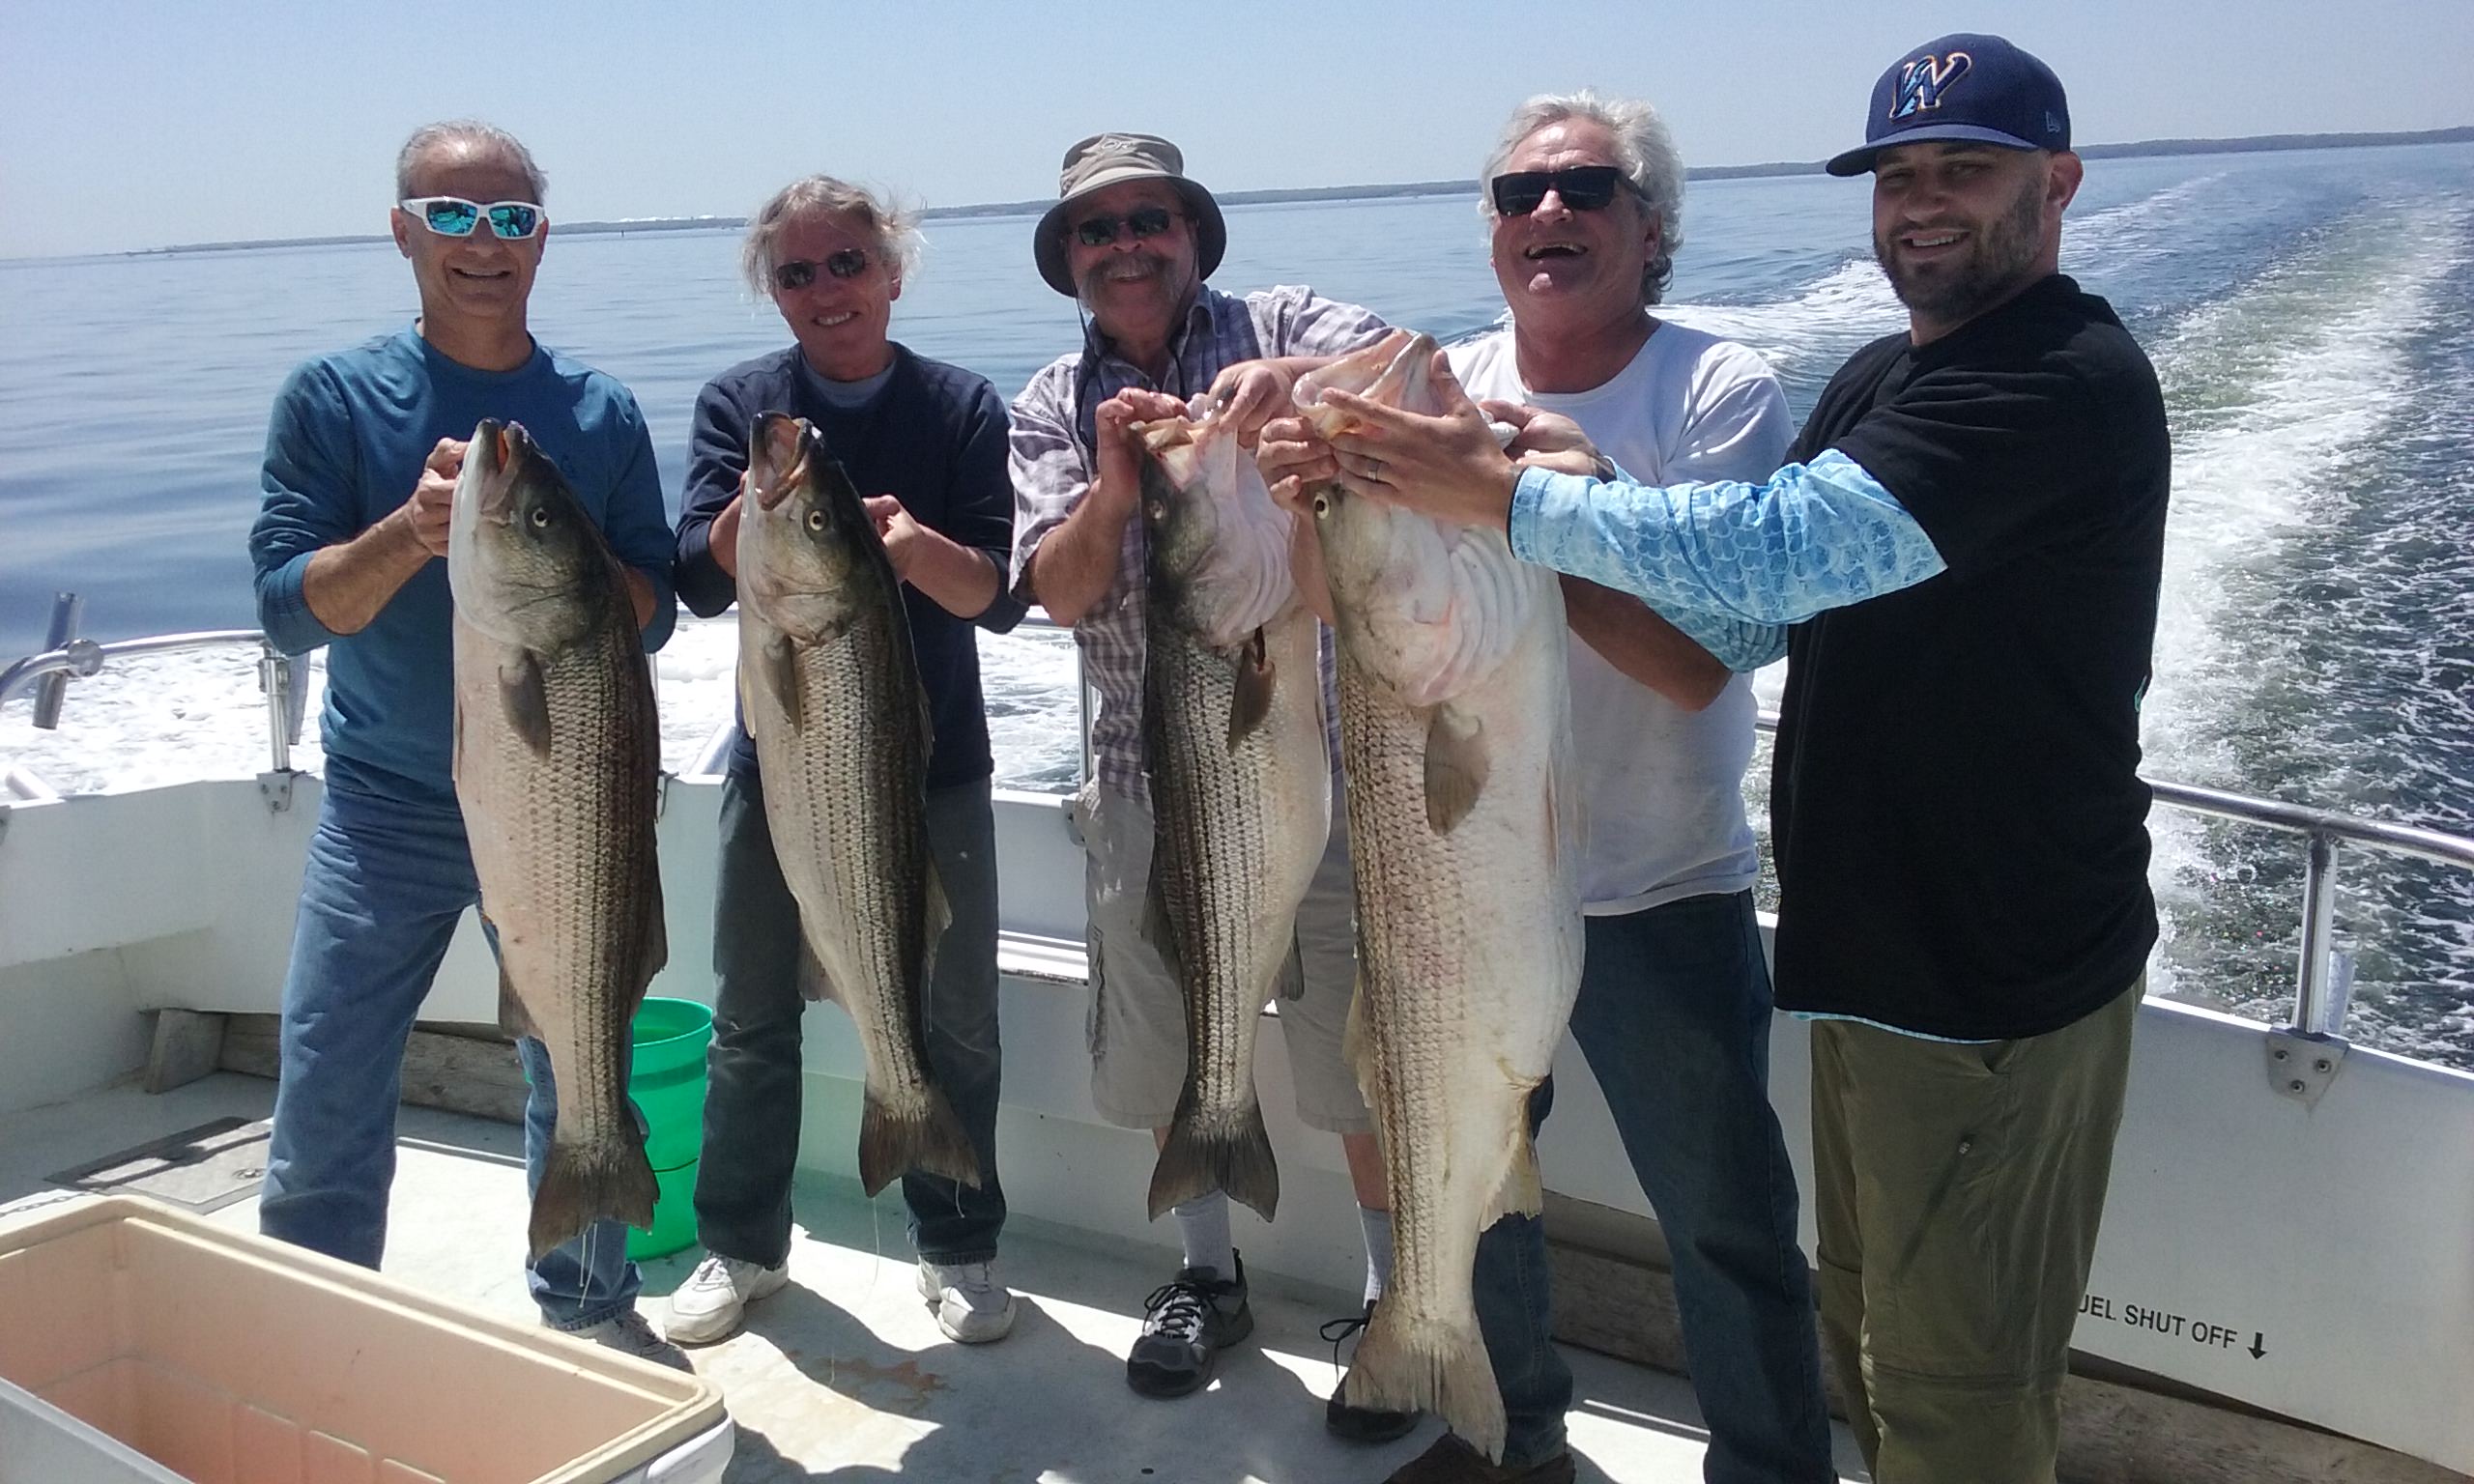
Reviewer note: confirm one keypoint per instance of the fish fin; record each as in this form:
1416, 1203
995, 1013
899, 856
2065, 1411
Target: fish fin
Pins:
777, 671
1252, 702
940, 916
514, 1017
582, 1184
1448, 1375
932, 1143
1357, 1041
1159, 929
526, 702
814, 982
1456, 768
652, 948
1198, 1160
1520, 1194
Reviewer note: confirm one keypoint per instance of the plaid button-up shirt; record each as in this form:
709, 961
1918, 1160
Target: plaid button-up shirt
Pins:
1052, 442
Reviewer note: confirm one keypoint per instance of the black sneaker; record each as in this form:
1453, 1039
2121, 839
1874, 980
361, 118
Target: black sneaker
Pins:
1358, 1424
1188, 1321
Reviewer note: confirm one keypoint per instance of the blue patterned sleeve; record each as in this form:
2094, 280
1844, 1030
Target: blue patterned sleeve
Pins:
1814, 536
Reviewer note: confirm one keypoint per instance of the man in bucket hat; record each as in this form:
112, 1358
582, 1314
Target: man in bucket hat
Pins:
1967, 542
1132, 239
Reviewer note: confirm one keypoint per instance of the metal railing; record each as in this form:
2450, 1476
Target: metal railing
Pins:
2319, 1005
281, 677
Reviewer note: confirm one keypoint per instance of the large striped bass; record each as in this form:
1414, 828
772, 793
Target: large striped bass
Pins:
1456, 734
832, 697
1232, 734
558, 752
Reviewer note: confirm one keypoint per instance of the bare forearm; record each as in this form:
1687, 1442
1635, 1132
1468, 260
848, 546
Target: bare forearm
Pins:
346, 584
1073, 568
961, 580
1630, 636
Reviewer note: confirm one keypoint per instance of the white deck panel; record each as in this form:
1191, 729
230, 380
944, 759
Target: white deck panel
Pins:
844, 1374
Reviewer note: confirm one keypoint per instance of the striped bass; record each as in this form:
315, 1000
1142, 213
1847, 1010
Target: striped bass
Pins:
1464, 828
1232, 730
832, 697
556, 756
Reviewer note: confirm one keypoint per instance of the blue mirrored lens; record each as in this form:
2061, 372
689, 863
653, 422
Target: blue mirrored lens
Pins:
451, 219
508, 219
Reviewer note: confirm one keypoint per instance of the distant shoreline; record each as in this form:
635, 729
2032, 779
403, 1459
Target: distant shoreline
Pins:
2254, 143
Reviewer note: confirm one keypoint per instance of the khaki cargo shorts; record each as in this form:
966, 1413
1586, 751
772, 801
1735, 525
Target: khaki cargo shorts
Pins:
1137, 1021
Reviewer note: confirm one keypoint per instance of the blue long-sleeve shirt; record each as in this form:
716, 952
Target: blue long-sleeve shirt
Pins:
1729, 563
345, 446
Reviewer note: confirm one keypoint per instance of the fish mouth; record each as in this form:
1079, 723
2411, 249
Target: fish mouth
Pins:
782, 443
496, 454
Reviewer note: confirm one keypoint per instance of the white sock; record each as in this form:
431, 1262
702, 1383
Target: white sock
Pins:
1378, 1226
1202, 1225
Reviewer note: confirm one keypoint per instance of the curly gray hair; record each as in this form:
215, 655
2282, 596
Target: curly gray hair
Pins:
894, 228
481, 137
1643, 148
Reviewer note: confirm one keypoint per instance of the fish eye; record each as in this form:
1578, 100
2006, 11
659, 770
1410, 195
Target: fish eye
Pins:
816, 521
1322, 505
540, 518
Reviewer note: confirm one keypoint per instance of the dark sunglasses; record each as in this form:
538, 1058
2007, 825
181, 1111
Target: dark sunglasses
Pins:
798, 274
1146, 221
1582, 188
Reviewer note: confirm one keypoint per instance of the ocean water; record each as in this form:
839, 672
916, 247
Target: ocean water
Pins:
2311, 315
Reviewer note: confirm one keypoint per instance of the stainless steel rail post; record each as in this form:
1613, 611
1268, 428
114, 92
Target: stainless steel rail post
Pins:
67, 608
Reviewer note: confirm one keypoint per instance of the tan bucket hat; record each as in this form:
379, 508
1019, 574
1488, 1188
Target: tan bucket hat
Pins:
1103, 161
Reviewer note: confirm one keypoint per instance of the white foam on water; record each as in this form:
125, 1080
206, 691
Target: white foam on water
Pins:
176, 718
2273, 391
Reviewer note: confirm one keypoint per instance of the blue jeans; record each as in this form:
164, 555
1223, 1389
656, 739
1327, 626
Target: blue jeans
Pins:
380, 897
1674, 1018
753, 1077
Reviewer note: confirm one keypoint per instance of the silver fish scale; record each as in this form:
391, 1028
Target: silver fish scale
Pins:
855, 778
1213, 839
1407, 961
564, 850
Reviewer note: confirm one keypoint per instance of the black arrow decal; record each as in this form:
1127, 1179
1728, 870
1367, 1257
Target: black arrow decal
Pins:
2259, 1344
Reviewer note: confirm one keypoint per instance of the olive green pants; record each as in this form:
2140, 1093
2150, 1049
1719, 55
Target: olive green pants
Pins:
1958, 1188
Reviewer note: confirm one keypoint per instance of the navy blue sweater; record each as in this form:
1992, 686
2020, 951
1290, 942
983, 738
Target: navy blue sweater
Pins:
933, 438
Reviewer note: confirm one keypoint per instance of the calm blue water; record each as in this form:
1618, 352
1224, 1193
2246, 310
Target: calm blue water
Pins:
2311, 316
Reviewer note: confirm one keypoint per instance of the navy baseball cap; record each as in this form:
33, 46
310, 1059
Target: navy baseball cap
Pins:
1963, 87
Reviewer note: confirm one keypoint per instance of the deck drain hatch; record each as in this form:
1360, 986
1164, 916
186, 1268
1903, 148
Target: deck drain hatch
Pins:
204, 1168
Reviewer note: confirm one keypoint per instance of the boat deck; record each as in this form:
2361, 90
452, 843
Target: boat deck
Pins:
845, 1376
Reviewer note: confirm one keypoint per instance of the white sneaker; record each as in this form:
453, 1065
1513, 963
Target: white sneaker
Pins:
971, 1307
714, 1300
630, 1333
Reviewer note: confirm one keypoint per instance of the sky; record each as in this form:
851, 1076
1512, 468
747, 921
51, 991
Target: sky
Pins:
132, 123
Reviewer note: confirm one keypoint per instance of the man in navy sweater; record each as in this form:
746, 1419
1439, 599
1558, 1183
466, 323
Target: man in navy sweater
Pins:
926, 443
362, 454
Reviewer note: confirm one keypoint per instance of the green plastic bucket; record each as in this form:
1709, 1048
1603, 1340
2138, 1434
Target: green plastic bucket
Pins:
668, 1086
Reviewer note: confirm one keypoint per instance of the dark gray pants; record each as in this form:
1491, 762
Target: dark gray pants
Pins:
752, 1096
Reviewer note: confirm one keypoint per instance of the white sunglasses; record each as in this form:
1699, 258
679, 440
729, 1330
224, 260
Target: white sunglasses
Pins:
455, 216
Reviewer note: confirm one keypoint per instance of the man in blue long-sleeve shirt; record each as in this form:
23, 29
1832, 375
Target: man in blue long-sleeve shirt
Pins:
1960, 561
362, 454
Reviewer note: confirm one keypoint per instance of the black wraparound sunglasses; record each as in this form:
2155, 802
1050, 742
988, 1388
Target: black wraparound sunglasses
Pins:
1143, 222
798, 272
1582, 188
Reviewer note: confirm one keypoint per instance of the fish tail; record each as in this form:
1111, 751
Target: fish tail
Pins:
1199, 1160
931, 1141
582, 1182
1396, 1369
